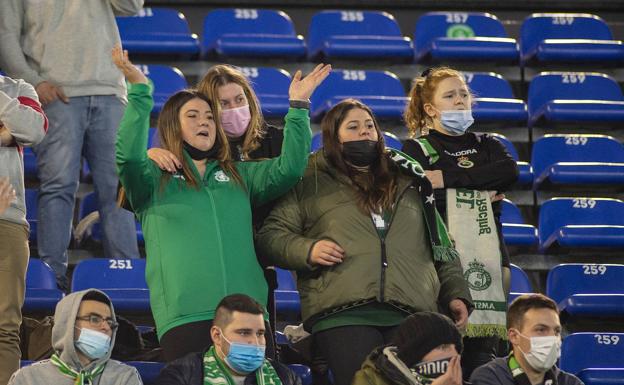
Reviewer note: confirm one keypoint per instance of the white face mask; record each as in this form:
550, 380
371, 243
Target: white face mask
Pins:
544, 352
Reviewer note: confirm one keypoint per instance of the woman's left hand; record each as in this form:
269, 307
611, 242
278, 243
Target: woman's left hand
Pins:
302, 89
494, 197
459, 311
435, 177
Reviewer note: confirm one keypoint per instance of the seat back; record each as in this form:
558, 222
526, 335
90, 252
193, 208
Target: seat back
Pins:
285, 280
519, 280
511, 213
433, 25
558, 212
488, 85
548, 86
540, 26
39, 275
577, 278
109, 274
552, 149
592, 350
267, 81
243, 21
326, 24
357, 83
167, 80
154, 21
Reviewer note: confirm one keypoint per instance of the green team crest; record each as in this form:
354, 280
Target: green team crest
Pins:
459, 31
477, 277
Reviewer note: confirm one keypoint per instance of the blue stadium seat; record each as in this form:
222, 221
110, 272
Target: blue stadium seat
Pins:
515, 230
568, 38
88, 204
525, 176
30, 163
578, 160
494, 99
592, 350
391, 141
602, 376
287, 300
357, 34
581, 222
167, 81
271, 87
593, 290
578, 97
251, 32
519, 280
382, 91
303, 372
157, 31
122, 279
463, 36
31, 212
148, 371
42, 294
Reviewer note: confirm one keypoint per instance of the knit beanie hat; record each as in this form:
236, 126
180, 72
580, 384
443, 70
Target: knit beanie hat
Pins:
422, 332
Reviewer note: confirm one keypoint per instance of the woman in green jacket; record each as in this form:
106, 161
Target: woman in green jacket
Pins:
366, 242
197, 222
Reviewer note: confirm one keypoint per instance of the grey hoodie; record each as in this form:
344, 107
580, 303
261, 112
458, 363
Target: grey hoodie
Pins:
45, 373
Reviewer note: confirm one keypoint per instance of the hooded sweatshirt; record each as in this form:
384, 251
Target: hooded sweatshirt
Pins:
45, 373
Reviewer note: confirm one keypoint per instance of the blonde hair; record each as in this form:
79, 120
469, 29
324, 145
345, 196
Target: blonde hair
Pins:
423, 89
221, 75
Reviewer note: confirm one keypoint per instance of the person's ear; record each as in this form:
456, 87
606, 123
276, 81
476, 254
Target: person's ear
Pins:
430, 110
514, 336
215, 335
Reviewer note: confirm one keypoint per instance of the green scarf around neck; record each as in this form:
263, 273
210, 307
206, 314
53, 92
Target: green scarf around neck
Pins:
216, 371
82, 377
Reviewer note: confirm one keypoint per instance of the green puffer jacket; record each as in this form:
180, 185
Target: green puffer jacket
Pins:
323, 206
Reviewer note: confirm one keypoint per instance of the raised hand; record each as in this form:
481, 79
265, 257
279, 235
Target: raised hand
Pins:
129, 70
453, 375
302, 89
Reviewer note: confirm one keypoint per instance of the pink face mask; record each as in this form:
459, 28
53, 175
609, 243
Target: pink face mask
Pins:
235, 121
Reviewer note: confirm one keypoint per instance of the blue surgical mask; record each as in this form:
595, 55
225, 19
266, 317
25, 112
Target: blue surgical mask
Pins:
93, 344
244, 358
456, 122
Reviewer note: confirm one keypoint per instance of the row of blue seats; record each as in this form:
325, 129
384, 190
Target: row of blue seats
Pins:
352, 34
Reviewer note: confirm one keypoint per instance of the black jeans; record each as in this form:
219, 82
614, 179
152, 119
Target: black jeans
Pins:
195, 337
345, 348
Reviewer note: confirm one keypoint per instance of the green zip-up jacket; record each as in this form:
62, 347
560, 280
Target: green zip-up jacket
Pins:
323, 206
199, 242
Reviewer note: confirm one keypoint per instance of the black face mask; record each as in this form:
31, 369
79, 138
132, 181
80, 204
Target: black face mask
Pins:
197, 154
360, 153
430, 370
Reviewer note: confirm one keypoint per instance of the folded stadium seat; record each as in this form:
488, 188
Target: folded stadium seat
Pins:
525, 176
287, 300
568, 38
157, 31
382, 91
597, 356
31, 196
302, 372
167, 81
252, 33
590, 290
581, 222
520, 283
516, 232
578, 160
347, 34
391, 141
30, 163
463, 36
123, 280
148, 371
271, 87
578, 97
494, 99
89, 204
42, 294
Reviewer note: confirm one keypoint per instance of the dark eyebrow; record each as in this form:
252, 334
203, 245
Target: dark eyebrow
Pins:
197, 111
94, 313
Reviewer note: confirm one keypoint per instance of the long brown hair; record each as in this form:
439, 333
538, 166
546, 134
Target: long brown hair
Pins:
221, 75
423, 89
376, 188
170, 134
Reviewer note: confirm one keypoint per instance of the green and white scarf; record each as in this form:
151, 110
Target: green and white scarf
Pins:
82, 377
216, 373
441, 244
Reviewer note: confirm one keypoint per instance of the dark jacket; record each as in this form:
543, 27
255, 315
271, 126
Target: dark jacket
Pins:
497, 372
270, 145
189, 370
323, 206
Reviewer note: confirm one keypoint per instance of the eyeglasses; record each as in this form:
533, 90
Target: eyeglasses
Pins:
95, 320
